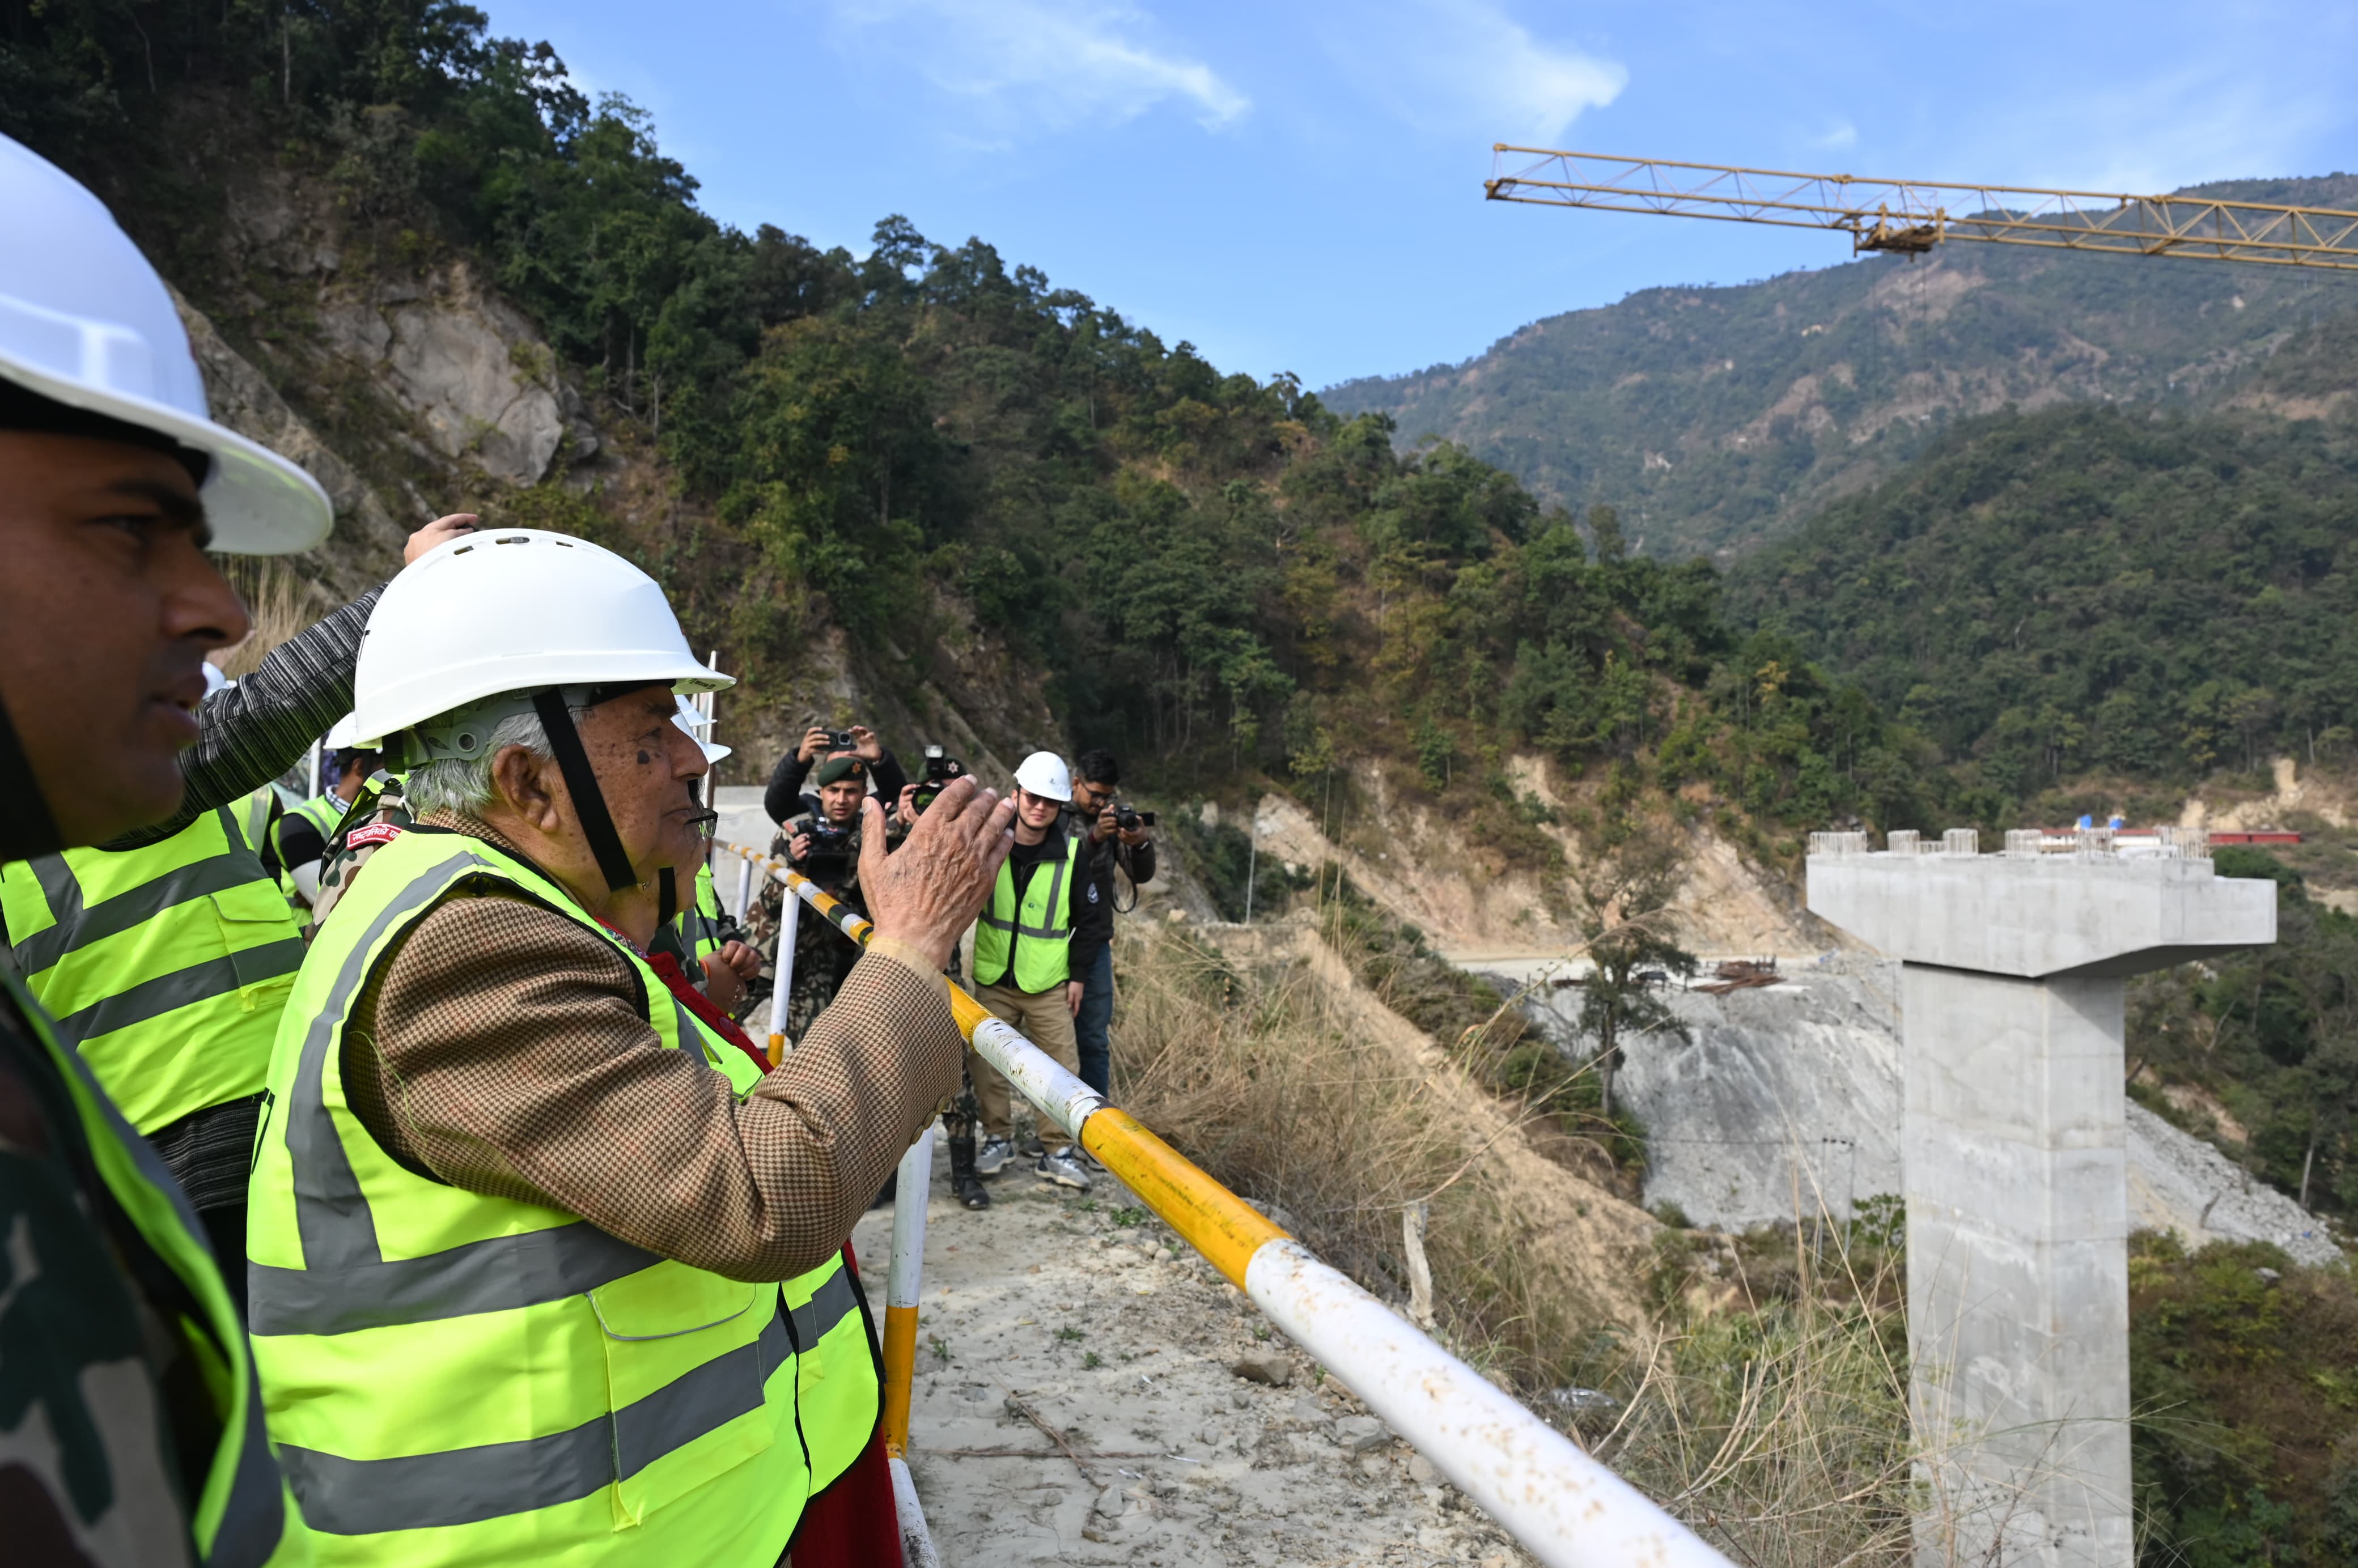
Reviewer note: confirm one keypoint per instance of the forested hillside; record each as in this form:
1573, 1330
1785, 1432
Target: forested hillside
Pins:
1717, 418
2142, 598
976, 481
947, 459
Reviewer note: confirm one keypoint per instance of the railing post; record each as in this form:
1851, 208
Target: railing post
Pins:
782, 968
903, 1284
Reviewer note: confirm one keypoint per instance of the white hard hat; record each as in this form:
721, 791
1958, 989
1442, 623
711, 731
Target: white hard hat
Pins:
514, 611
216, 679
692, 719
86, 321
1043, 773
343, 736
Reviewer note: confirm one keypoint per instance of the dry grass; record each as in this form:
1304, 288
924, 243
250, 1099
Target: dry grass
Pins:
1249, 1075
1776, 1425
281, 602
1772, 1419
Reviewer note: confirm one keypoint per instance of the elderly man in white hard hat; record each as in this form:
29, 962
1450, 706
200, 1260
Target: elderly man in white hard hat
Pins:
1031, 948
545, 1270
134, 1432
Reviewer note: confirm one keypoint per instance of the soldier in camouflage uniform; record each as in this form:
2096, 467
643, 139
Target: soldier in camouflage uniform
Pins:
130, 1421
823, 843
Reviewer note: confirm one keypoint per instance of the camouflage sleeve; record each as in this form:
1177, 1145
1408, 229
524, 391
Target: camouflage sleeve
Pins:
86, 1466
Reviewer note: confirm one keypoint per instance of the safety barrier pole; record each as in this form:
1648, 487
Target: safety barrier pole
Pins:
744, 888
913, 1184
1565, 1508
782, 977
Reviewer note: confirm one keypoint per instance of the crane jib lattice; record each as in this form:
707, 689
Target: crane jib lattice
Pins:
1912, 216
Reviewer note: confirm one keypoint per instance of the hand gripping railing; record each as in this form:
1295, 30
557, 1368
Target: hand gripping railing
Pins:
1565, 1508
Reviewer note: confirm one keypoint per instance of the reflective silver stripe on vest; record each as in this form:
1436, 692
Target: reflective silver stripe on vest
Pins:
499, 1274
184, 987
79, 924
834, 1300
331, 1213
467, 1486
1055, 901
347, 1283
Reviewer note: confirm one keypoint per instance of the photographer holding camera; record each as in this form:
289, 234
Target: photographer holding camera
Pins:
1118, 840
1040, 933
823, 844
785, 798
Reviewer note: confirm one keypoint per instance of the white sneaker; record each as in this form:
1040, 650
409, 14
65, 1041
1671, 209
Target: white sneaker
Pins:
1061, 1168
992, 1157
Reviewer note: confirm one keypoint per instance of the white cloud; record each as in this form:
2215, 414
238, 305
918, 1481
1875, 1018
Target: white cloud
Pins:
1026, 65
1836, 136
1454, 67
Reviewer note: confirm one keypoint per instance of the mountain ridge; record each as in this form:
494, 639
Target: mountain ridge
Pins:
1716, 416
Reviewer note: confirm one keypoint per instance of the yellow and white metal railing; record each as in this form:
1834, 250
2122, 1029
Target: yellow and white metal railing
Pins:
1565, 1508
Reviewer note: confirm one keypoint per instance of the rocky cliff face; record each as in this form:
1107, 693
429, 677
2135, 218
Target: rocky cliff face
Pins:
409, 387
1786, 1105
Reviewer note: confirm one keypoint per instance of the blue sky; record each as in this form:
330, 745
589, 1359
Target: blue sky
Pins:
1298, 187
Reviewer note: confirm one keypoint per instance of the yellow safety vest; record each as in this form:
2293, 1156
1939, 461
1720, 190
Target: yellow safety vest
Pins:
165, 966
454, 1379
702, 922
241, 1514
1039, 934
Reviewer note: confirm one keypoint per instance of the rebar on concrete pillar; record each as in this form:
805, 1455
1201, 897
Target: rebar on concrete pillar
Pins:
2013, 1146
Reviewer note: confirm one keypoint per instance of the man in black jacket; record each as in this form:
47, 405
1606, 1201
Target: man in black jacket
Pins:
1112, 849
785, 799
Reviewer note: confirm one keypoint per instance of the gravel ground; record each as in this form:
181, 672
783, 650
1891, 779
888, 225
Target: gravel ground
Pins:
1088, 1315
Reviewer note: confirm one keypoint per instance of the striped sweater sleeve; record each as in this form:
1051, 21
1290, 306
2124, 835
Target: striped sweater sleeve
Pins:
259, 728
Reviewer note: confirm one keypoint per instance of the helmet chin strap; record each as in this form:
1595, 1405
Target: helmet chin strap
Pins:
581, 783
27, 829
666, 897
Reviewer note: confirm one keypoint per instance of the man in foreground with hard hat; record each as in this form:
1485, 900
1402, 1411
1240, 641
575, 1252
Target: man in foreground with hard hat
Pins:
131, 1429
544, 1270
1031, 946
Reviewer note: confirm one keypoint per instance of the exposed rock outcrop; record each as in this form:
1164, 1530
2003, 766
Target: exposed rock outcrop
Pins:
1787, 1102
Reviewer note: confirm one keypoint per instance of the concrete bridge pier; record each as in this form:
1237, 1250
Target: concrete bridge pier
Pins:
2013, 1145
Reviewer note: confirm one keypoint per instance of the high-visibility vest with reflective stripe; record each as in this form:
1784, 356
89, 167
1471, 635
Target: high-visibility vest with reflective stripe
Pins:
322, 812
700, 924
241, 1516
1039, 933
166, 966
459, 1379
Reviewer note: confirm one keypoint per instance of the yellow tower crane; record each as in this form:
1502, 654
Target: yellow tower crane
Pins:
1912, 216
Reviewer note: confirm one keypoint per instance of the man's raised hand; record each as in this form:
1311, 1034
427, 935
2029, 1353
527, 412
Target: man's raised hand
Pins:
927, 892
441, 531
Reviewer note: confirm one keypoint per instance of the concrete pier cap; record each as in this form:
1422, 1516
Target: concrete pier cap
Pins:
2013, 1146
2041, 917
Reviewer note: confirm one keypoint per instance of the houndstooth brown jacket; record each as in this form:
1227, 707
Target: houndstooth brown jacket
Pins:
504, 1048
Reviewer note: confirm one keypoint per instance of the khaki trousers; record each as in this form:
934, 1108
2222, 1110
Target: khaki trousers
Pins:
1046, 1022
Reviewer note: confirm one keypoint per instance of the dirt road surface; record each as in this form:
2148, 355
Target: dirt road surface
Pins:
1085, 1313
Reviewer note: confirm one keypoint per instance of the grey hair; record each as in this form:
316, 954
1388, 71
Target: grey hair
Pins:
464, 786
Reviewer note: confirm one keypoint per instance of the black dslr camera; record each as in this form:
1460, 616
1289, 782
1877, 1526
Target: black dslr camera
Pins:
1131, 821
833, 851
940, 769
